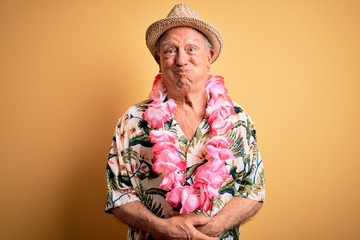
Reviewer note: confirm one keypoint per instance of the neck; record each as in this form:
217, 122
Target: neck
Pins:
195, 101
190, 111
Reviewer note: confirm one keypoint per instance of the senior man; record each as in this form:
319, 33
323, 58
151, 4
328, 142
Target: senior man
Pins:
185, 164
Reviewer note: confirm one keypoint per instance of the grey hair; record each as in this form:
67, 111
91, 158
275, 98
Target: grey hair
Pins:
207, 43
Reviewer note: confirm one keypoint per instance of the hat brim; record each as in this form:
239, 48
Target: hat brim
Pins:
158, 28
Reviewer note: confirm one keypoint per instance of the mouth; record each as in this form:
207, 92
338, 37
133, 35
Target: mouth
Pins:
181, 72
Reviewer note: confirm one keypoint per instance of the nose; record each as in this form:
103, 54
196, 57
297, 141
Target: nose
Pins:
181, 58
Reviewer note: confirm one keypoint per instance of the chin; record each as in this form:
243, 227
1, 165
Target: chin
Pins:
183, 84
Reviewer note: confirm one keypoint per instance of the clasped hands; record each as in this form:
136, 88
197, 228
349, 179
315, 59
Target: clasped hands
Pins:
188, 226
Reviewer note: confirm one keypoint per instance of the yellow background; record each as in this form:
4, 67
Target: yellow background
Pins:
69, 69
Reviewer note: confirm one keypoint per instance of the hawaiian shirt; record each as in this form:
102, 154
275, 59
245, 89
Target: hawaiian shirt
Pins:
129, 170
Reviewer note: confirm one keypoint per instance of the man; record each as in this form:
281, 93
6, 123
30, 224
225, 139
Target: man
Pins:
185, 164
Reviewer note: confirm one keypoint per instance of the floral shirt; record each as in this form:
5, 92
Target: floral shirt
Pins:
129, 170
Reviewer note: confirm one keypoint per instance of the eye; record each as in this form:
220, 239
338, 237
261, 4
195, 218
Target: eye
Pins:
191, 50
169, 51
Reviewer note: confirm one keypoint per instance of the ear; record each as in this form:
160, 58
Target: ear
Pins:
157, 59
210, 55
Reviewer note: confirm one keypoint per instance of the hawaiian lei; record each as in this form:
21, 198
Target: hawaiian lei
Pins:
208, 177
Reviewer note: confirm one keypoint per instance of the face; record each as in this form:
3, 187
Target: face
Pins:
184, 60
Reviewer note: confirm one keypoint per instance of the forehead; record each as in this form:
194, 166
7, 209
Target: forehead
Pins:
182, 34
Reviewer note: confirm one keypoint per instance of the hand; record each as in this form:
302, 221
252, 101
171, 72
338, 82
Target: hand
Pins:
183, 227
211, 228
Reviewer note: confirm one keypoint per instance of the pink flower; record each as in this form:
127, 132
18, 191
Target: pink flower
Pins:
204, 197
157, 96
221, 154
212, 177
184, 195
220, 107
158, 114
189, 200
158, 89
219, 141
215, 86
212, 80
170, 160
219, 127
205, 202
173, 198
159, 147
208, 182
171, 180
158, 136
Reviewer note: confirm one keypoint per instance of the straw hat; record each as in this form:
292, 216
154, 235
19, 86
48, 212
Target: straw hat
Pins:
183, 16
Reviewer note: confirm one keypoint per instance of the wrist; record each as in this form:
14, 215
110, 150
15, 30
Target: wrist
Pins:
157, 225
217, 224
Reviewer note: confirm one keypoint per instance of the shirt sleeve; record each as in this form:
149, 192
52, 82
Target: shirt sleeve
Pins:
249, 171
119, 186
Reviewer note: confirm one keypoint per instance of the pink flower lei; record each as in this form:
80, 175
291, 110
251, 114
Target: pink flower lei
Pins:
209, 177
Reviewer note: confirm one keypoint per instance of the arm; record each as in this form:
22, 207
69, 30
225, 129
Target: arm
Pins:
136, 215
237, 211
